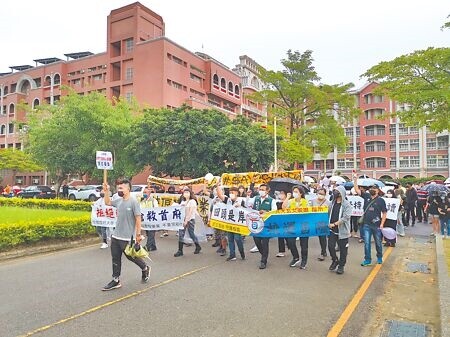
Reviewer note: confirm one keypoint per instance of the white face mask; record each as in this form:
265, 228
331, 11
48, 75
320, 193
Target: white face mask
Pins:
233, 196
389, 195
295, 195
262, 193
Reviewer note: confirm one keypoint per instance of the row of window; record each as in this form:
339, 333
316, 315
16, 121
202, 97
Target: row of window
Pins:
10, 129
433, 161
370, 98
25, 85
233, 90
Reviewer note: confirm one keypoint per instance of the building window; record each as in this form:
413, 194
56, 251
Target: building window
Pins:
129, 45
378, 99
431, 161
392, 146
216, 81
402, 130
12, 109
414, 161
11, 128
230, 88
236, 91
223, 84
368, 98
195, 78
349, 132
317, 165
129, 74
2, 129
129, 96
375, 162
392, 130
357, 131
431, 143
341, 163
403, 145
375, 146
393, 162
404, 162
442, 143
414, 145
442, 161
375, 130
56, 79
35, 103
413, 131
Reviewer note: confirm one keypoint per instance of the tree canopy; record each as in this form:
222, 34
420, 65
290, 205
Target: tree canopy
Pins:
65, 137
313, 112
420, 79
17, 161
186, 142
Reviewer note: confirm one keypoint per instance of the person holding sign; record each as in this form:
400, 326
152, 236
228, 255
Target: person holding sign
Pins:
236, 201
128, 226
298, 201
148, 201
321, 200
373, 220
263, 203
339, 214
188, 200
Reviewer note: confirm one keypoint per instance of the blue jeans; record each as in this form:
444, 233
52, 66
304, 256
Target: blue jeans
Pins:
101, 231
368, 231
231, 245
445, 224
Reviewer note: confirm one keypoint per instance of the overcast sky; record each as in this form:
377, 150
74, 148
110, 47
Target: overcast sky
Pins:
347, 37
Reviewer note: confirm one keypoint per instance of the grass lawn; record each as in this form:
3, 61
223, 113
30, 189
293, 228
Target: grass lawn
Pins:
11, 215
447, 253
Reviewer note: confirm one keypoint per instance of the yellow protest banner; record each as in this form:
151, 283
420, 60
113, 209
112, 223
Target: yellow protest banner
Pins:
197, 181
258, 178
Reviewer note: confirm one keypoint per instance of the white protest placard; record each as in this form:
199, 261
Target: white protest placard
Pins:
153, 219
357, 204
104, 160
392, 206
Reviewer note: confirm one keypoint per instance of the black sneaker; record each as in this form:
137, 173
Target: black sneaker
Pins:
243, 256
303, 265
152, 249
321, 257
294, 263
112, 285
333, 265
216, 244
223, 252
340, 270
231, 258
146, 274
178, 253
262, 265
197, 249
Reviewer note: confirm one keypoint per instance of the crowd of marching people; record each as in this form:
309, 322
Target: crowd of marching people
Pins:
342, 224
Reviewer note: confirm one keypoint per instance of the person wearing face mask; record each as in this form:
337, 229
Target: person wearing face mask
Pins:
102, 231
321, 200
188, 200
236, 201
297, 201
374, 218
148, 201
339, 214
390, 223
282, 242
128, 226
263, 203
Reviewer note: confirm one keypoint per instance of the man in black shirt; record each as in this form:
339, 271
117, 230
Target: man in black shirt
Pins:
374, 218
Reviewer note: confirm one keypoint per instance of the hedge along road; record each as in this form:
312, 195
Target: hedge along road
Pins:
196, 295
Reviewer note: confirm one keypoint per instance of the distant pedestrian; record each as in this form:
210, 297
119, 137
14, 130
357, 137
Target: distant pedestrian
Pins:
411, 202
149, 201
433, 203
128, 225
65, 191
390, 223
321, 200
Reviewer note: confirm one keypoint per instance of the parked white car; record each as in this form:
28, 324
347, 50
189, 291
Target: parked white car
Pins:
87, 192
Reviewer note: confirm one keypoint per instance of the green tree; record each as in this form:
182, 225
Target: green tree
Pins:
313, 112
17, 161
186, 142
420, 79
64, 138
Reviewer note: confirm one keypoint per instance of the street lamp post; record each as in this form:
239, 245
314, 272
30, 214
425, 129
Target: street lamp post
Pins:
275, 144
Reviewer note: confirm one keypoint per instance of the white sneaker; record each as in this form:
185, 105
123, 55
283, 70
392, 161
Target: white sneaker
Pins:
280, 255
104, 245
297, 239
254, 250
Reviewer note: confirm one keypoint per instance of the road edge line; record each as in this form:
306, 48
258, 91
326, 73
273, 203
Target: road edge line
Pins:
356, 299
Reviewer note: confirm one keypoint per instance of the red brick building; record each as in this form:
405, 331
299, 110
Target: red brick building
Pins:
139, 62
385, 148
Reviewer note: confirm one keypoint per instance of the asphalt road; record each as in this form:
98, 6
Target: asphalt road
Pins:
195, 295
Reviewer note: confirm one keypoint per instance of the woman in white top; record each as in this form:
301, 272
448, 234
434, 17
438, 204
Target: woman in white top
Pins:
188, 200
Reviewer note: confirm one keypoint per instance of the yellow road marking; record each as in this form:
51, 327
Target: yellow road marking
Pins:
346, 314
107, 304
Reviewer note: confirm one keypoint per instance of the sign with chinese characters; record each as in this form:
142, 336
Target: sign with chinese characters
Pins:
157, 218
357, 203
104, 160
245, 179
392, 206
298, 222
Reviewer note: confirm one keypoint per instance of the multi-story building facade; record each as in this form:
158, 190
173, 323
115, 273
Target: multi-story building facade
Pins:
384, 147
139, 62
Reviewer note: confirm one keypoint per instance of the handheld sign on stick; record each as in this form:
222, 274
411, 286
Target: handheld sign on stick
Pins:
104, 162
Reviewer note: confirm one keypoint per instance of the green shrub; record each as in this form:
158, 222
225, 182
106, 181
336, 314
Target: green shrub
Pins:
67, 205
28, 232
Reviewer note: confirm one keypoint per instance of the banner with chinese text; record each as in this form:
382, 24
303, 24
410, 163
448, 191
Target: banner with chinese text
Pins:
299, 222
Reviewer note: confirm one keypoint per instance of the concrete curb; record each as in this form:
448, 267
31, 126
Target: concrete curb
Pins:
444, 287
47, 247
